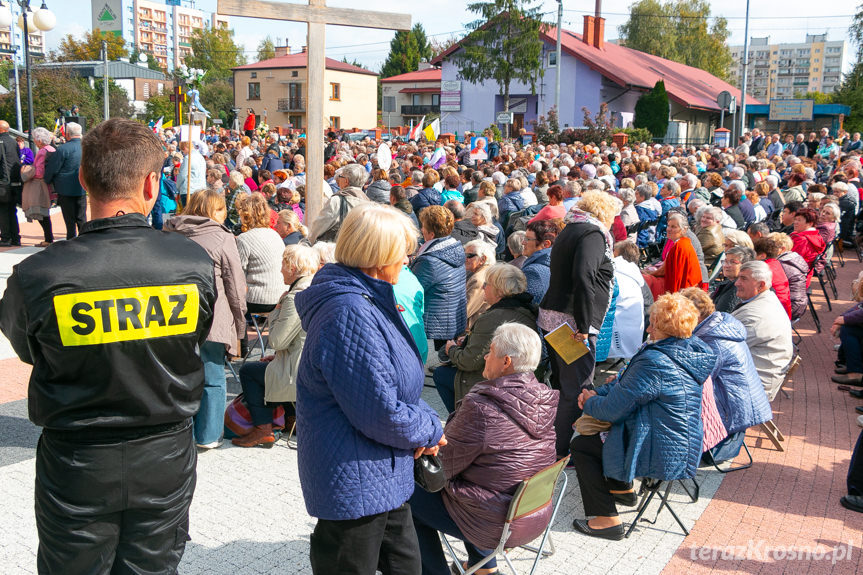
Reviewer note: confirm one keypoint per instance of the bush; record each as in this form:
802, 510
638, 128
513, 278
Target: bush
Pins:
651, 111
637, 135
498, 137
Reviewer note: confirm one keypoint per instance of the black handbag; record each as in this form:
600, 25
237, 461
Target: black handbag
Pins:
429, 474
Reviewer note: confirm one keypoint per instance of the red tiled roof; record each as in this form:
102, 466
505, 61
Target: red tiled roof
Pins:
301, 60
434, 90
429, 75
688, 86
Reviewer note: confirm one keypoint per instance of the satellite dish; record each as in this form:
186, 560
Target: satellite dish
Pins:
142, 58
385, 156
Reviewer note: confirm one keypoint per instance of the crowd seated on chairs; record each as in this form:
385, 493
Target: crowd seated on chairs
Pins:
653, 404
680, 267
724, 293
501, 433
848, 327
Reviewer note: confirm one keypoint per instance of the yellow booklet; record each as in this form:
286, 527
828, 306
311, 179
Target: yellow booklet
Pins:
566, 346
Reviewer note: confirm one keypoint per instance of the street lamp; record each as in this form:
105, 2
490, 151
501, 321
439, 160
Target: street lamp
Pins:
43, 19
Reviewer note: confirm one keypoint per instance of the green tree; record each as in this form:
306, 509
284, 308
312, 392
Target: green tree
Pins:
218, 98
118, 100
152, 63
353, 62
819, 97
5, 70
407, 50
651, 111
90, 47
266, 49
679, 30
214, 50
850, 92
503, 45
52, 89
160, 106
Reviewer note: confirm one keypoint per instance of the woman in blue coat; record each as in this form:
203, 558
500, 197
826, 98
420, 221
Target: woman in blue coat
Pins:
358, 402
654, 409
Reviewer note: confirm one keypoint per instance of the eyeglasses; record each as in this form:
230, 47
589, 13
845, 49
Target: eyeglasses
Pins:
470, 256
527, 239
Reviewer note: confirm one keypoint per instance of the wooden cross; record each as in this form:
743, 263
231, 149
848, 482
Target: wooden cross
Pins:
317, 16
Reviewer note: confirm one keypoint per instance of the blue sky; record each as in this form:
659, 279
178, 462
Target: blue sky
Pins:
445, 18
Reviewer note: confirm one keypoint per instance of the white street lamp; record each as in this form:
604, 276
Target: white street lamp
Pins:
44, 19
5, 16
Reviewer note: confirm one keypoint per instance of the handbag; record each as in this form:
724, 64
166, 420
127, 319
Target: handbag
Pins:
429, 474
238, 420
589, 425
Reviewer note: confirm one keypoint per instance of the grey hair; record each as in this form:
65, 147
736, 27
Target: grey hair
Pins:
698, 203
691, 180
760, 272
681, 220
627, 195
644, 190
480, 208
702, 211
745, 254
834, 209
772, 181
42, 135
554, 174
355, 175
492, 206
514, 242
73, 129
520, 343
841, 187
416, 177
515, 184
673, 186
506, 279
741, 187
572, 189
327, 251
483, 249
737, 171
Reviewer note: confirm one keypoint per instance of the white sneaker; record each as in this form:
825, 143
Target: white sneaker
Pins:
208, 446
860, 420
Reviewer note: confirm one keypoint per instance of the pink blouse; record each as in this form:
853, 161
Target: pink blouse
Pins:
39, 162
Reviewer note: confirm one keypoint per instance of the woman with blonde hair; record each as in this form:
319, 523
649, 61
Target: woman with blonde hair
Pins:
201, 222
289, 228
359, 384
272, 381
654, 403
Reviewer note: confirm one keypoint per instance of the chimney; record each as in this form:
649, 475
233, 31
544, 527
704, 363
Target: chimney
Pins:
599, 32
305, 49
423, 65
283, 50
589, 25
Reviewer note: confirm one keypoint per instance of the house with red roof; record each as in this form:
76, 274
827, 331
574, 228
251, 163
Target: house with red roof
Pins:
277, 90
408, 97
592, 71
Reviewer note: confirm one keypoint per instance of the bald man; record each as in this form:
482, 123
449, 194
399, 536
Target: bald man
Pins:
10, 188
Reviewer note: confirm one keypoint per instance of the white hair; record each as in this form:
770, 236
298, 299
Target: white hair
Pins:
327, 251
73, 130
492, 206
737, 171
627, 195
483, 249
839, 187
681, 220
739, 185
42, 136
514, 242
520, 343
515, 184
772, 181
760, 272
834, 209
481, 208
691, 180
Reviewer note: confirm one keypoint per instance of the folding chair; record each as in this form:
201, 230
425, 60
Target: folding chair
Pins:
259, 322
773, 434
708, 456
651, 487
531, 495
821, 277
713, 273
812, 310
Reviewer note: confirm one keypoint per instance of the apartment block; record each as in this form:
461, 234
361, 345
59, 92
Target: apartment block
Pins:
783, 71
7, 52
162, 28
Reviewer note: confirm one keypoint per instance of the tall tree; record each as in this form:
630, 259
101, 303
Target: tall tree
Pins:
679, 30
652, 109
407, 49
152, 63
160, 106
266, 49
214, 50
503, 45
850, 92
89, 47
218, 98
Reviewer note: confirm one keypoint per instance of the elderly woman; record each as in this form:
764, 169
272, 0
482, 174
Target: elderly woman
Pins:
713, 182
511, 201
538, 240
629, 215
681, 268
654, 404
234, 195
724, 295
477, 224
272, 380
500, 434
807, 241
710, 233
828, 216
505, 292
202, 222
379, 190
358, 401
579, 293
740, 397
795, 269
554, 209
478, 258
36, 194
736, 238
440, 268
289, 228
515, 245
350, 179
731, 205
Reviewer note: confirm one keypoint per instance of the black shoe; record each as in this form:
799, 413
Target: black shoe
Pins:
627, 499
612, 533
859, 408
858, 393
852, 502
5, 244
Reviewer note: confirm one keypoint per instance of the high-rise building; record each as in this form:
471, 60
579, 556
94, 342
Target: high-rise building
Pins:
162, 28
784, 71
37, 43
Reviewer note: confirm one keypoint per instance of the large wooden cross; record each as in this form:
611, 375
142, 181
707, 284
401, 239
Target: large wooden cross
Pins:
317, 16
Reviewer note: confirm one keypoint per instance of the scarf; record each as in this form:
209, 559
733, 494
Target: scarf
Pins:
577, 216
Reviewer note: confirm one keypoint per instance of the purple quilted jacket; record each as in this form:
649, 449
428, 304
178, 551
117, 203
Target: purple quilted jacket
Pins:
501, 433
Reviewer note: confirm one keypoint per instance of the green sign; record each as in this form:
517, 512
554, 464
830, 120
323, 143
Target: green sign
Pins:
106, 15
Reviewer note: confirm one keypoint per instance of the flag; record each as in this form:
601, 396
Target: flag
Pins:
432, 131
168, 124
158, 126
415, 133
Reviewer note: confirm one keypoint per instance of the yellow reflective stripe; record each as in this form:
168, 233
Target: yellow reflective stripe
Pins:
126, 314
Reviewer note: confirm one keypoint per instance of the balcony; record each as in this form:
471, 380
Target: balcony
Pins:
291, 105
419, 110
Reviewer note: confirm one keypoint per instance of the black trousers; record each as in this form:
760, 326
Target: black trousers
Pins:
253, 381
570, 380
114, 508
74, 210
9, 231
386, 542
855, 469
594, 486
47, 229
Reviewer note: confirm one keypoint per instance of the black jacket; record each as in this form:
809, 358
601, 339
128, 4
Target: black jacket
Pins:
112, 322
61, 169
581, 275
10, 171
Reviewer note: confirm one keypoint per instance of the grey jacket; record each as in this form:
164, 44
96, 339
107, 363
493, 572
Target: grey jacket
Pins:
326, 226
287, 338
229, 322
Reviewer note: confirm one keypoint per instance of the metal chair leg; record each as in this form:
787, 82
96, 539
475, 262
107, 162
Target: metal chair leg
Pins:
730, 469
642, 506
814, 313
233, 372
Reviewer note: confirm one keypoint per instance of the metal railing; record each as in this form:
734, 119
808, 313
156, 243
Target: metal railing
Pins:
291, 105
412, 110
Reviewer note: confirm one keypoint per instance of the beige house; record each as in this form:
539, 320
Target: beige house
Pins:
277, 89
408, 97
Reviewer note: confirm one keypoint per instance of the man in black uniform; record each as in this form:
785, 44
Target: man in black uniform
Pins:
112, 322
10, 188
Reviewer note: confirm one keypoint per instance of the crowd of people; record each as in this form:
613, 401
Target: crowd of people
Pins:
686, 265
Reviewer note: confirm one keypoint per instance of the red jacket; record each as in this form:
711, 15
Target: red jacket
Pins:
249, 124
780, 284
682, 269
809, 244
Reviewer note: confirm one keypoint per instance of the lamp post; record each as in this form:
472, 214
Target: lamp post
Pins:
43, 19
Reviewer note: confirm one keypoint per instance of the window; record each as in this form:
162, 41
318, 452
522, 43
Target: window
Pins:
435, 99
415, 99
335, 122
254, 75
296, 122
294, 74
254, 91
335, 91
552, 59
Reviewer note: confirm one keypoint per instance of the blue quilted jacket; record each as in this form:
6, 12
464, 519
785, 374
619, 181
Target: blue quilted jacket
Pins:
537, 270
440, 269
512, 202
358, 397
740, 396
655, 409
646, 235
425, 197
603, 340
